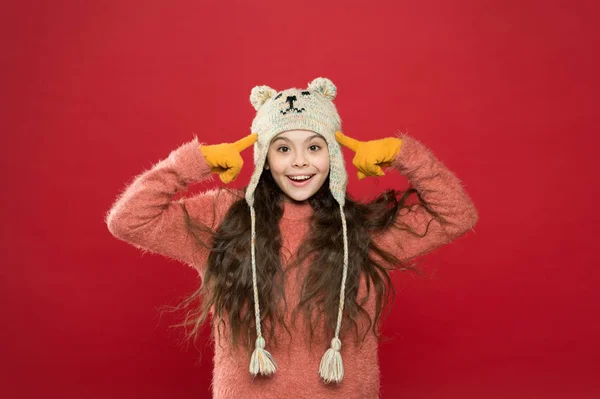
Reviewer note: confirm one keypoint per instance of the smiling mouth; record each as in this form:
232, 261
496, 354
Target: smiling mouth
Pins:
300, 179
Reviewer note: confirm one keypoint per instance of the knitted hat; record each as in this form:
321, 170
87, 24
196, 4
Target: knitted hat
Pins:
298, 109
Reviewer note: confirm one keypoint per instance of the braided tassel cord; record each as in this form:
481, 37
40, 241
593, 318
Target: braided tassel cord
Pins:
331, 368
261, 361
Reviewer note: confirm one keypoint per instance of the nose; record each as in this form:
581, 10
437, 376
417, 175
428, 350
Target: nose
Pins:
300, 160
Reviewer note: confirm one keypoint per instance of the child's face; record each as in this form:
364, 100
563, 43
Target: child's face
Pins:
300, 154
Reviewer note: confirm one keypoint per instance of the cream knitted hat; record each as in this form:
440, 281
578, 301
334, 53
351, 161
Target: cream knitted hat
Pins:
298, 109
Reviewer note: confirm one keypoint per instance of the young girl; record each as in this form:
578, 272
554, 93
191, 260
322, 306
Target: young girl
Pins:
293, 242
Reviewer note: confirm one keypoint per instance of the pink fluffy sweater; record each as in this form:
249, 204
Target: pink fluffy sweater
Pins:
146, 216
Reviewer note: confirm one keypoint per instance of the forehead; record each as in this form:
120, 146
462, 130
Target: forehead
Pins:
298, 135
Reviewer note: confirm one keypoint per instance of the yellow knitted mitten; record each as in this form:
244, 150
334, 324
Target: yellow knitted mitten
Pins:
372, 155
225, 159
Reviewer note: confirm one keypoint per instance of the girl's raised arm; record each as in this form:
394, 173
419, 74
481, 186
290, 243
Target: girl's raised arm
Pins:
439, 188
442, 191
146, 216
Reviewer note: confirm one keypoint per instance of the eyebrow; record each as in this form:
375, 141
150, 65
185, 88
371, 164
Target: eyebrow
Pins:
308, 139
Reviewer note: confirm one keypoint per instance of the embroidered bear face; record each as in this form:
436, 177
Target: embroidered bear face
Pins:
293, 101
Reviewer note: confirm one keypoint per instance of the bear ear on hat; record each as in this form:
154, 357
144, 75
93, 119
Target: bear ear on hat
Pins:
260, 94
323, 86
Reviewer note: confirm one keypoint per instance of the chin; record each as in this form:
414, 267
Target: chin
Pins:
298, 197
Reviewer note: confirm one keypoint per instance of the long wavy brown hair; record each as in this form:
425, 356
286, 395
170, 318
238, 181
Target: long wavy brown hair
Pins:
226, 290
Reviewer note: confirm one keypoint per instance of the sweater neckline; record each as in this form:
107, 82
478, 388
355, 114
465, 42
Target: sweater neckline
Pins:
296, 210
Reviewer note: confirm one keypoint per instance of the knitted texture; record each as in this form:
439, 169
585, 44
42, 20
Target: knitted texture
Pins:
298, 109
225, 159
371, 156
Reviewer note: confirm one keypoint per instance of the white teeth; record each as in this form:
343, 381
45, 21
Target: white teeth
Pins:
300, 177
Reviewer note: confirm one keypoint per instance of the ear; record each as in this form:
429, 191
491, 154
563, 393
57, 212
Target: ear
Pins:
323, 86
260, 94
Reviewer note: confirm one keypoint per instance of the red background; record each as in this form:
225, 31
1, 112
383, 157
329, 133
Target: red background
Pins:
504, 93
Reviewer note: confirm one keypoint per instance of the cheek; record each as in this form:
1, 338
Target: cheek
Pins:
274, 163
323, 162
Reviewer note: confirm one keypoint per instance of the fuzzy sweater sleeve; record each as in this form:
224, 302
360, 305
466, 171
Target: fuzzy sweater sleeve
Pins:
444, 194
146, 216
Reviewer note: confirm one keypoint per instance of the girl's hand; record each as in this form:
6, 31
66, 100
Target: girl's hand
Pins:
372, 155
225, 159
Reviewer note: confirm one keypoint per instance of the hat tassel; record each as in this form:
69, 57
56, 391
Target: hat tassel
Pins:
261, 361
332, 367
